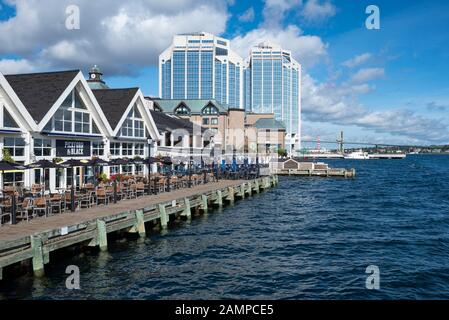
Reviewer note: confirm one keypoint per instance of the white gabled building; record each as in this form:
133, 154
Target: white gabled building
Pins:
56, 115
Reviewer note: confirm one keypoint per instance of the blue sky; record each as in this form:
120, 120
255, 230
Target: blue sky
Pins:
388, 85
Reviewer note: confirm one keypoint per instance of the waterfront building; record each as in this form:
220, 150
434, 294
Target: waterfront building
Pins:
232, 129
273, 85
201, 66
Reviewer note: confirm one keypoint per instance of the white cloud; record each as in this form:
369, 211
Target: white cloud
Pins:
274, 11
367, 74
11, 66
337, 104
317, 11
247, 16
357, 60
308, 50
114, 34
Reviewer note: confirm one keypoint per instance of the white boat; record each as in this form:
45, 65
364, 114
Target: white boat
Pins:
357, 155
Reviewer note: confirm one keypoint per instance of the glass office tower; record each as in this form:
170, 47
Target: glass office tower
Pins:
201, 66
272, 85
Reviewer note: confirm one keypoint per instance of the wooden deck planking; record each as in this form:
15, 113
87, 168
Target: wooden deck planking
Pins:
40, 225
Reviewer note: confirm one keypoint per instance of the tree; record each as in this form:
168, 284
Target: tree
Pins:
7, 156
282, 152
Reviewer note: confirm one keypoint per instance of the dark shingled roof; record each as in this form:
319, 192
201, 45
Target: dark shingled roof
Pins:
39, 91
168, 123
114, 102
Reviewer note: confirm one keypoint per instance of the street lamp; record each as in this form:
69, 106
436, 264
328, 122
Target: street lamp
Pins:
191, 164
214, 170
150, 145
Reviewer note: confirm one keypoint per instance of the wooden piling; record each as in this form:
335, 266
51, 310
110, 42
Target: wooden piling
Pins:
102, 238
164, 216
38, 256
204, 203
187, 212
219, 200
231, 196
140, 223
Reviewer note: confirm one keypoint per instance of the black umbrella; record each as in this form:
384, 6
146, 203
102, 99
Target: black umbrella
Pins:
9, 166
167, 161
72, 163
138, 161
119, 161
43, 164
97, 162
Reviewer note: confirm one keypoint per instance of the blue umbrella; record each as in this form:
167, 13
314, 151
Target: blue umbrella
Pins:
223, 165
234, 164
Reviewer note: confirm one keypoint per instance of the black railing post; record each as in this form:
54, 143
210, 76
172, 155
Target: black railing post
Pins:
115, 190
13, 208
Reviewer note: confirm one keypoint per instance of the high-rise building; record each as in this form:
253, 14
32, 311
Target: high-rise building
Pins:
272, 85
201, 66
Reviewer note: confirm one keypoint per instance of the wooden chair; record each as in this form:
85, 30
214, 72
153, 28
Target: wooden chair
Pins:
140, 189
55, 202
68, 200
25, 209
40, 205
102, 196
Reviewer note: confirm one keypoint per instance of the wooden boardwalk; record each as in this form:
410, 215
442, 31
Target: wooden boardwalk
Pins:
36, 239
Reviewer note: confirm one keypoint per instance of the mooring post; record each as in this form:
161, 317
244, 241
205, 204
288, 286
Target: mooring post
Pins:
187, 212
231, 195
242, 190
204, 203
164, 216
219, 200
140, 225
250, 189
257, 186
38, 255
102, 238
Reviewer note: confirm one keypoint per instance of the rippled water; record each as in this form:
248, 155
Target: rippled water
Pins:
308, 238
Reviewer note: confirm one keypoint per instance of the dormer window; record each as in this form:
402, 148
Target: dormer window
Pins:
210, 109
182, 110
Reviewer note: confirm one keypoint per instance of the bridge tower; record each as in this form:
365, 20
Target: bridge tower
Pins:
340, 143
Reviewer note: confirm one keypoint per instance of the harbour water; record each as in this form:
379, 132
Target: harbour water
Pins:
309, 238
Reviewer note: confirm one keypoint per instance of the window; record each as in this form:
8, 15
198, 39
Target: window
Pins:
127, 169
182, 110
210, 109
115, 148
133, 126
205, 121
82, 122
139, 169
72, 116
139, 149
127, 149
8, 121
98, 148
214, 121
114, 169
15, 146
42, 147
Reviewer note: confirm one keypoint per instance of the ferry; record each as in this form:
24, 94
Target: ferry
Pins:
357, 155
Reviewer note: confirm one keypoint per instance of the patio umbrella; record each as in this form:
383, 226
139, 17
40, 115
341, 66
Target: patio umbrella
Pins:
72, 163
9, 166
43, 164
119, 161
167, 161
234, 164
97, 162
